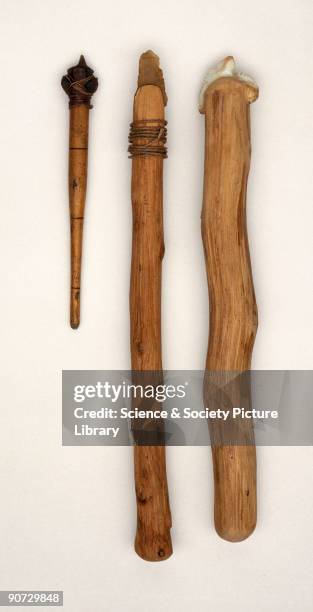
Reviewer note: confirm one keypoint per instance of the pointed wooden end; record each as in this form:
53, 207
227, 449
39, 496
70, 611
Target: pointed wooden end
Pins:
150, 72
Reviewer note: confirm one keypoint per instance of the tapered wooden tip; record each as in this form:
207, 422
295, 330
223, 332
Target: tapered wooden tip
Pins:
75, 308
150, 72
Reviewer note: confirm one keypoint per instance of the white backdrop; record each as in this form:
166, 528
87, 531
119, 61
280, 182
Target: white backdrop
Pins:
68, 514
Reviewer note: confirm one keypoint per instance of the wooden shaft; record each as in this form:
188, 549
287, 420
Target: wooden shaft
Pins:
233, 311
153, 539
80, 84
78, 158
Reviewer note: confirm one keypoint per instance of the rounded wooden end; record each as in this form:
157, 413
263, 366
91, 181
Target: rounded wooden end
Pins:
235, 504
153, 548
233, 533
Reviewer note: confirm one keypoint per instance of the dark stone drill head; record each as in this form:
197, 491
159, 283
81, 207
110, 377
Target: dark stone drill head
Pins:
80, 83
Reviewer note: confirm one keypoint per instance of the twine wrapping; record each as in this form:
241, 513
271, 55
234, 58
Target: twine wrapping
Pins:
154, 137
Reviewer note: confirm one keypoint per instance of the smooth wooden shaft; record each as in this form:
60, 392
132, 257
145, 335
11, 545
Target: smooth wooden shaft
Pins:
153, 539
233, 312
78, 158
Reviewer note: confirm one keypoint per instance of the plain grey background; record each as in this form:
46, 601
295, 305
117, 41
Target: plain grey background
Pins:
68, 514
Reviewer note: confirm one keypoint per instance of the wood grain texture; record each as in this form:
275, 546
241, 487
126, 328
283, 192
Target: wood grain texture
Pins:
233, 310
79, 84
153, 539
78, 160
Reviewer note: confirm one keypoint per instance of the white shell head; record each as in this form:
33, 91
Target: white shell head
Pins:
225, 68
